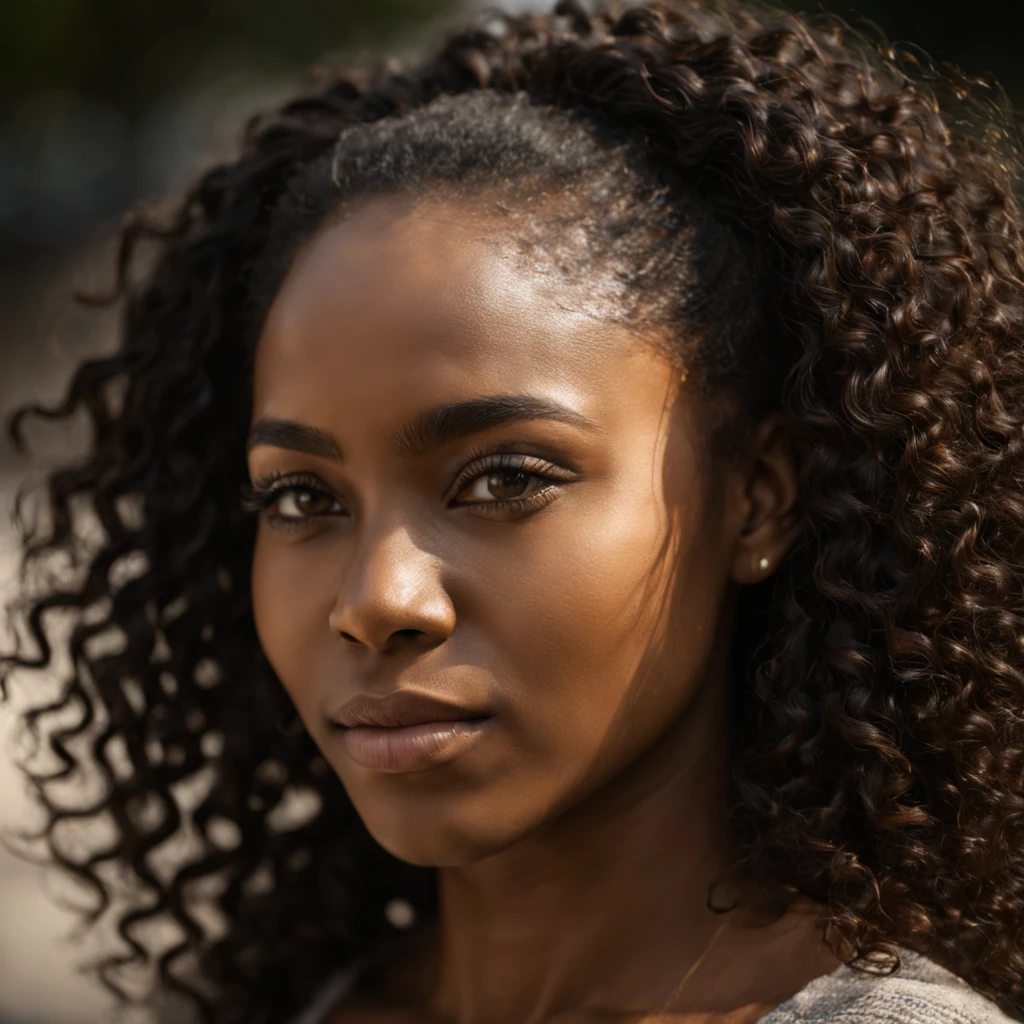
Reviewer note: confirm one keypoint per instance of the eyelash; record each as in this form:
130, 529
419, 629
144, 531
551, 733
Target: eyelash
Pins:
482, 463
262, 495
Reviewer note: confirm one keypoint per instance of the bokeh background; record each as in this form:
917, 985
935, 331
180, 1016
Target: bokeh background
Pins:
106, 103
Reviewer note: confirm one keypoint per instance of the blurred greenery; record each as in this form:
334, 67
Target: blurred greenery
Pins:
130, 52
104, 101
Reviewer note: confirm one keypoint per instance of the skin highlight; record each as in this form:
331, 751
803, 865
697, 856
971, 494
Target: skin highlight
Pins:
594, 626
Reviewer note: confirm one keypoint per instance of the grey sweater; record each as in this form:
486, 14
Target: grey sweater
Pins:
921, 992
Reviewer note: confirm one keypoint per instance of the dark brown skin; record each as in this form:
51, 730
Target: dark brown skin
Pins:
576, 840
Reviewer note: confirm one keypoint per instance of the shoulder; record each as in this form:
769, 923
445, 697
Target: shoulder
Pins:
921, 992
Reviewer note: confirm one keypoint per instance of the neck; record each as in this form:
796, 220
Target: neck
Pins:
605, 907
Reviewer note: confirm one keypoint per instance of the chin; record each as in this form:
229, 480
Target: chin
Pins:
440, 837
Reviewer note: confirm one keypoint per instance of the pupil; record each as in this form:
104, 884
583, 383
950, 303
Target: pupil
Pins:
509, 484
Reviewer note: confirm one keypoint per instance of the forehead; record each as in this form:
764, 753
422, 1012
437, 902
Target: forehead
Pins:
432, 300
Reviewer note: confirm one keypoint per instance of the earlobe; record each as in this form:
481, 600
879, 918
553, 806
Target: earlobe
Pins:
758, 566
770, 491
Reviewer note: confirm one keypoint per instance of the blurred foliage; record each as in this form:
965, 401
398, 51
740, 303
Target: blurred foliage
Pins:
129, 52
104, 101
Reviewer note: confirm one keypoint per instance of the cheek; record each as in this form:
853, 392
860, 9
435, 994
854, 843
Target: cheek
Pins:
291, 600
611, 636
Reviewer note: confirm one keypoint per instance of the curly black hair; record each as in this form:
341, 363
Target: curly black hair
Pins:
826, 232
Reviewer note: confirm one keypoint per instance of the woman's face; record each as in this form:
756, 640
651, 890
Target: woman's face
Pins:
484, 497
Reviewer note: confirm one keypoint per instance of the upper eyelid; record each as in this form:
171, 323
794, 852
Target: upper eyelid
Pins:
487, 461
477, 465
263, 493
478, 462
280, 478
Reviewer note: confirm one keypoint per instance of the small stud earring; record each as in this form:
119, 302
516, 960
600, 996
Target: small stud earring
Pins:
400, 913
762, 562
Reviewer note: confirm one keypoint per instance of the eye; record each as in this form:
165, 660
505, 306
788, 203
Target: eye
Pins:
501, 485
506, 482
299, 502
290, 502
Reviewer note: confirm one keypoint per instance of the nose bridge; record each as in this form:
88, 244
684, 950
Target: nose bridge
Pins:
391, 585
389, 559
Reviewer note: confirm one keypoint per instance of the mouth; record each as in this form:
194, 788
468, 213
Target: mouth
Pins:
406, 731
410, 748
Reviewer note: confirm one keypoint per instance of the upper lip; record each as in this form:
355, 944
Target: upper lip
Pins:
400, 708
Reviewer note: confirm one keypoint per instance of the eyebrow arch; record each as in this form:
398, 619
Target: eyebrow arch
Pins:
297, 437
425, 432
436, 427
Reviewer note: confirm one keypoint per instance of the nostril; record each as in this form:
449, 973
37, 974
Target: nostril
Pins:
399, 639
406, 634
403, 640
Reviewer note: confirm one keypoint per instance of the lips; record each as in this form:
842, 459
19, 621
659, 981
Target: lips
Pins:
400, 708
406, 731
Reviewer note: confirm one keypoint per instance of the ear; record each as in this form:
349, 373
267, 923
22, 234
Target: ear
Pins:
766, 509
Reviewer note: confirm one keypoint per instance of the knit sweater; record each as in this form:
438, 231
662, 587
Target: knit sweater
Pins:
921, 992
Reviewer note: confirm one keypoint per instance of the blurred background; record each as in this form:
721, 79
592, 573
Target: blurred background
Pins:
104, 103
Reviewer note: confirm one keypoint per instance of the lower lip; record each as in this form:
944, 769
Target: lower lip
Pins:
410, 748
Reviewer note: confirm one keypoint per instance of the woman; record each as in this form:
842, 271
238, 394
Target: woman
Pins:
621, 616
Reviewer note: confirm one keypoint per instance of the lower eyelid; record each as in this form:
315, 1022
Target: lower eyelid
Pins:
529, 503
276, 495
545, 482
548, 488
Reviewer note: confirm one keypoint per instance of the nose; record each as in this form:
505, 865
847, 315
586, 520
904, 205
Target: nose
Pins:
392, 595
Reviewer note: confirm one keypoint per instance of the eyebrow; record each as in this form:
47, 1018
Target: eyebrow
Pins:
297, 437
425, 432
436, 427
